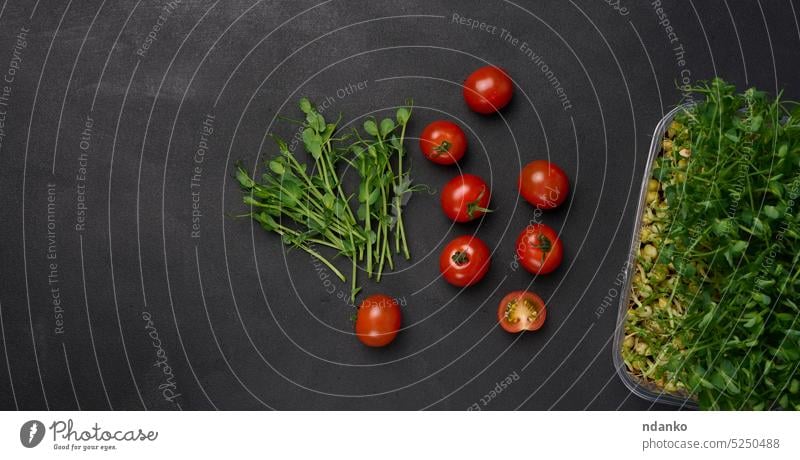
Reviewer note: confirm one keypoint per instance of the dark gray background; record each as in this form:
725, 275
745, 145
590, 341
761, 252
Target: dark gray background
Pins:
263, 332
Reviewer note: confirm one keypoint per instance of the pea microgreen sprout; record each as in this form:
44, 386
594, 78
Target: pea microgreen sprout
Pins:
309, 207
717, 284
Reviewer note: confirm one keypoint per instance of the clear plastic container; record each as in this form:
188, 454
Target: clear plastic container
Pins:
639, 387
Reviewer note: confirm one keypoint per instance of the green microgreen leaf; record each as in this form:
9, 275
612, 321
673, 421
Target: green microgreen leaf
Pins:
387, 125
305, 105
370, 127
277, 167
403, 114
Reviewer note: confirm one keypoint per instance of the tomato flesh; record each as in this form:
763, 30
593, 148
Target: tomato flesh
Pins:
378, 320
521, 311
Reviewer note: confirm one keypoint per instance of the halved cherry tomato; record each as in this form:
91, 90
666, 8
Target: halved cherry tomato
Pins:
443, 142
521, 311
378, 320
543, 184
488, 89
539, 249
465, 198
464, 261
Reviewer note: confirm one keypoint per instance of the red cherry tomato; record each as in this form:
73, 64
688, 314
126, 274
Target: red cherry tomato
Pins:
464, 261
543, 184
465, 198
378, 320
488, 90
443, 142
539, 249
521, 311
